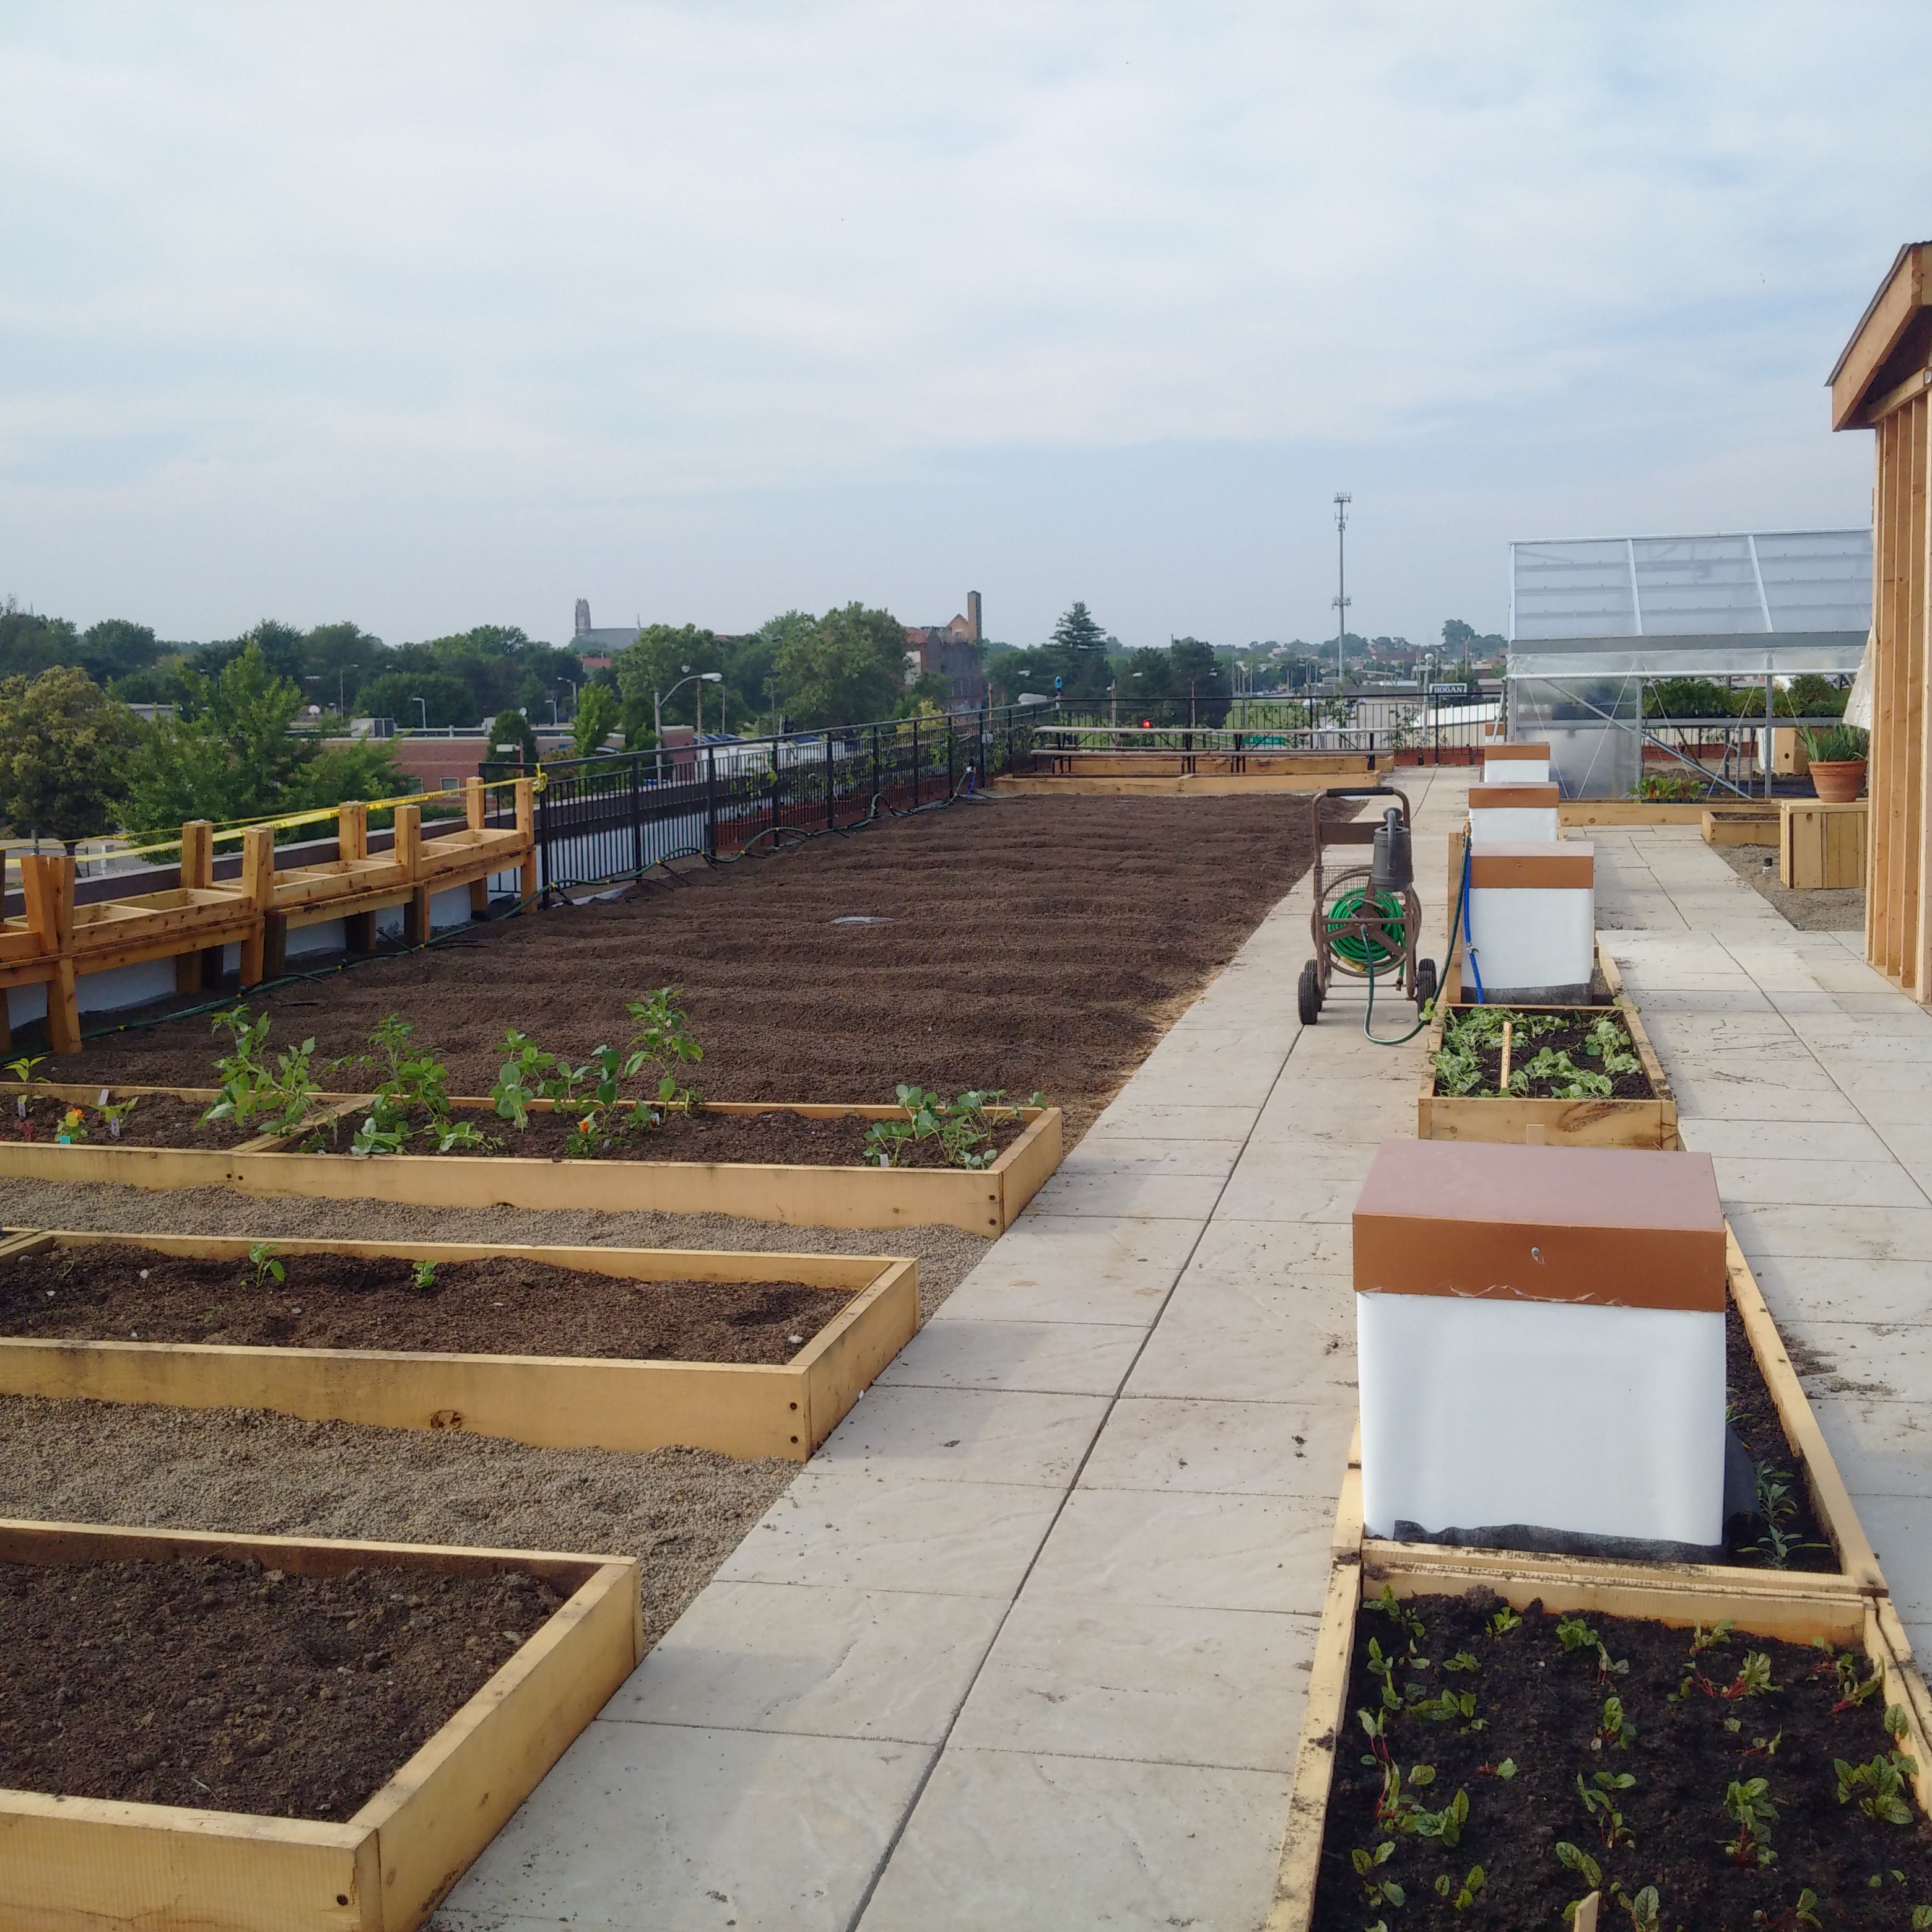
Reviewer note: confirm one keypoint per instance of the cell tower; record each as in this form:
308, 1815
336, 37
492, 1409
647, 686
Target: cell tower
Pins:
1343, 500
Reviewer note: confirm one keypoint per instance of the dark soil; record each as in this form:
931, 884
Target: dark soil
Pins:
225, 1686
1571, 1029
1754, 1416
1032, 943
1540, 1708
780, 1138
156, 1119
501, 1306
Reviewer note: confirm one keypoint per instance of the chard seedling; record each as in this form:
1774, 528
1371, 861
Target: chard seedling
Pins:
1467, 1893
1449, 1705
1501, 1622
263, 1266
1575, 1859
1382, 1668
1614, 1729
1644, 1907
1922, 1917
1766, 1746
1446, 1824
1801, 1917
1878, 1787
1747, 1804
1378, 1890
1463, 1660
1505, 1770
1853, 1689
1389, 1606
1600, 1802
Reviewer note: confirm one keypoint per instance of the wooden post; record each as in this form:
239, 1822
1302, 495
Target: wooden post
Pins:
409, 856
473, 803
258, 888
351, 831
197, 874
527, 830
47, 884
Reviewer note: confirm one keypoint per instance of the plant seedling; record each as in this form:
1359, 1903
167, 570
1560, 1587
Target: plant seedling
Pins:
1566, 1081
1599, 1797
960, 1125
1579, 1861
1777, 1505
422, 1277
1501, 1622
23, 1070
1853, 1689
1644, 1907
73, 1128
1614, 1730
281, 1091
1505, 1770
1446, 1824
1467, 1893
1800, 1917
1378, 1891
664, 1039
113, 1113
263, 1267
1388, 1605
1463, 1660
1747, 1804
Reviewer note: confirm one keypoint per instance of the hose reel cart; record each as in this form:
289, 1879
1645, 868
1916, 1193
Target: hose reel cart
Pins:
1367, 918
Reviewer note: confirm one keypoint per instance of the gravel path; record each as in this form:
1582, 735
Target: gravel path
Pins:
681, 1511
1821, 909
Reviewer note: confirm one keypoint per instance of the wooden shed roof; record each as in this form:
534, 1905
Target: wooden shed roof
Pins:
1886, 362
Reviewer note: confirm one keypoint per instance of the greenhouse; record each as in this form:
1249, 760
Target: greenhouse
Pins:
1593, 621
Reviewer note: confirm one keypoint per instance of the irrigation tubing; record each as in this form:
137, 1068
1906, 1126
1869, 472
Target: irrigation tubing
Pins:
1459, 920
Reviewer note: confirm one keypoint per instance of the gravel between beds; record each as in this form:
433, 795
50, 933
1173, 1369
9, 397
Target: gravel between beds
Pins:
681, 1511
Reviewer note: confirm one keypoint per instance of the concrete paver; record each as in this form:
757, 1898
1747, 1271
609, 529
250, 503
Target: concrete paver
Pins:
1025, 1646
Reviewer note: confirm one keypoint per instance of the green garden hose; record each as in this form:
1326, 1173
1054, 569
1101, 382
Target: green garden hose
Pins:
1364, 947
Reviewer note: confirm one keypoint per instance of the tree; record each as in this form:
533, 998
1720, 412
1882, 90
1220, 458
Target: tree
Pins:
30, 643
596, 718
351, 768
229, 755
64, 747
445, 699
1147, 679
512, 730
849, 669
662, 656
1077, 631
1199, 681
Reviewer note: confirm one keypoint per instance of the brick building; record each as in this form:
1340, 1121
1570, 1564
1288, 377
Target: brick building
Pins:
954, 652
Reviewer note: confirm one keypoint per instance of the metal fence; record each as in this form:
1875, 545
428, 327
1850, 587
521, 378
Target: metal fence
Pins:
1358, 722
603, 820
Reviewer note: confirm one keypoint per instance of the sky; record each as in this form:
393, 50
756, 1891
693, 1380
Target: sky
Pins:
432, 315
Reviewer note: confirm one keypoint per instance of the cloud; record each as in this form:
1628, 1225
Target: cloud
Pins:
435, 313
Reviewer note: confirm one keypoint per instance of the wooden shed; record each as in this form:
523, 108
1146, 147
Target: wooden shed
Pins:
1882, 382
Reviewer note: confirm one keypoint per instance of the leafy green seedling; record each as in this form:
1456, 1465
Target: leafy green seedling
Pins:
1505, 1770
1575, 1859
1645, 1908
263, 1266
1463, 1660
1378, 1891
1748, 1804
1600, 1801
1446, 1824
1501, 1622
1614, 1729
1389, 1606
374, 1137
664, 1040
23, 1070
960, 1127
422, 1277
113, 1113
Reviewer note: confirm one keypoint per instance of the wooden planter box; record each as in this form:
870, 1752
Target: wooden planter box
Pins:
986, 1201
1851, 1608
1624, 1124
78, 1864
551, 1402
1822, 845
1741, 828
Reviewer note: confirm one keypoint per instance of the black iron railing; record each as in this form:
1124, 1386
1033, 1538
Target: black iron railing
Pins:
602, 819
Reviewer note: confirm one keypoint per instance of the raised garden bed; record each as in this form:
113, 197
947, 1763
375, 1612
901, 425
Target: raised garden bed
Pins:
1512, 1834
704, 1168
1640, 1111
746, 1354
354, 1721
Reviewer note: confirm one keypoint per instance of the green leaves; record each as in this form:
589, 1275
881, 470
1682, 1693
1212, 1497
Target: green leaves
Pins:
263, 1267
278, 1094
963, 1127
65, 748
1878, 1787
1748, 1804
422, 1277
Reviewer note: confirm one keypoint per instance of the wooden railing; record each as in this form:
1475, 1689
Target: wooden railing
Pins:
55, 942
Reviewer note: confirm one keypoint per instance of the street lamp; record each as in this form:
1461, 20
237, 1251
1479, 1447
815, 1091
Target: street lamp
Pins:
700, 679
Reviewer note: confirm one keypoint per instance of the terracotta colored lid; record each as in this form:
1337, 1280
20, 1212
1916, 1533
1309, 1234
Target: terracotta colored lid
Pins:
1562, 865
1526, 752
1507, 797
1616, 1227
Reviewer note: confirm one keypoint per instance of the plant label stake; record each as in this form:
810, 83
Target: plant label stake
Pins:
1505, 1082
1587, 1909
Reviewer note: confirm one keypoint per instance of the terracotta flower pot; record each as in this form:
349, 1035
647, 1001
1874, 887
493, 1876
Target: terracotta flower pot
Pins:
1837, 781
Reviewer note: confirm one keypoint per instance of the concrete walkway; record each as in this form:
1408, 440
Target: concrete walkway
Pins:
1025, 1646
1807, 1077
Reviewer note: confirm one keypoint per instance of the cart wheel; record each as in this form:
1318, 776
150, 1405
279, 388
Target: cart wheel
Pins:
1308, 993
1425, 981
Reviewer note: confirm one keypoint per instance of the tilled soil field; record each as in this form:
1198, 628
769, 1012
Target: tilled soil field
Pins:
1026, 943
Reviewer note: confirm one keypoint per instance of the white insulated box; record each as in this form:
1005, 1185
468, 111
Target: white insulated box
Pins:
1540, 1347
1533, 921
1512, 815
1516, 764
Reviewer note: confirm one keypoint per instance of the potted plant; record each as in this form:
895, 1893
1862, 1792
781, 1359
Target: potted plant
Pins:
1836, 755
